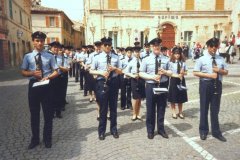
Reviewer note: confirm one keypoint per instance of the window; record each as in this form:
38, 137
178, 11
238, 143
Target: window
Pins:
188, 37
1, 7
219, 5
52, 21
145, 5
20, 13
189, 5
10, 9
217, 34
112, 4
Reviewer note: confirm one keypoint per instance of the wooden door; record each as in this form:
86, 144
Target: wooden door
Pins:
168, 36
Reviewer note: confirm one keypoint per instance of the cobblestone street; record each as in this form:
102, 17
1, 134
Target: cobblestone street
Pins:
75, 136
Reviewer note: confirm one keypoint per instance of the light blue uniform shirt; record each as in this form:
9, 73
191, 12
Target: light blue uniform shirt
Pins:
144, 54
80, 56
100, 63
125, 61
148, 66
132, 66
48, 62
204, 64
173, 67
91, 57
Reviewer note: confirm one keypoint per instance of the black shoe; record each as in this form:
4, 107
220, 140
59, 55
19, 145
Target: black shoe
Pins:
33, 145
48, 144
66, 102
85, 95
203, 136
150, 136
115, 135
221, 138
98, 118
101, 137
163, 134
108, 118
122, 108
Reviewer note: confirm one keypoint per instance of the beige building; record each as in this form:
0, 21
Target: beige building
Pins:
79, 34
15, 31
55, 23
175, 21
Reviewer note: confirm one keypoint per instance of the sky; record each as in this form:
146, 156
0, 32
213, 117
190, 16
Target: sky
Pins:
73, 8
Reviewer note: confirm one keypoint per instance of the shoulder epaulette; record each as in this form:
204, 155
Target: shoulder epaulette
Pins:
50, 52
27, 53
96, 54
145, 56
115, 53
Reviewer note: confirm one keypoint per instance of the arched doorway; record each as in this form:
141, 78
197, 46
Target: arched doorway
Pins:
168, 35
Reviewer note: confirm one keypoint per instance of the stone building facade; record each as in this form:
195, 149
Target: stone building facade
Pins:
175, 21
15, 31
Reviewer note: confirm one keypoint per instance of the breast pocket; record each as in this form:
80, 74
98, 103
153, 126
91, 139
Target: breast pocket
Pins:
205, 68
114, 62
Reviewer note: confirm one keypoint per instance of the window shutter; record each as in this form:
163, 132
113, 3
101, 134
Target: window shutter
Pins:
48, 40
47, 21
57, 21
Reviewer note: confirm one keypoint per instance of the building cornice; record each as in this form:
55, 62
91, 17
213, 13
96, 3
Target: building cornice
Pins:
153, 13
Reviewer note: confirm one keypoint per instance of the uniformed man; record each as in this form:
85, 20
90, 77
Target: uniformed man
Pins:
59, 83
164, 51
126, 81
155, 77
76, 64
107, 67
210, 68
39, 65
146, 51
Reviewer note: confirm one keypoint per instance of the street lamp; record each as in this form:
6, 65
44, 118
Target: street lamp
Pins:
93, 29
215, 29
104, 32
121, 32
146, 34
129, 31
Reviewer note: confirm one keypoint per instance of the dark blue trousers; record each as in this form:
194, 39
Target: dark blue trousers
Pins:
76, 71
41, 96
125, 92
107, 98
58, 94
207, 97
155, 101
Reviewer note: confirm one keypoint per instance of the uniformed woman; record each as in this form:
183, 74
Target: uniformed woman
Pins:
137, 83
177, 89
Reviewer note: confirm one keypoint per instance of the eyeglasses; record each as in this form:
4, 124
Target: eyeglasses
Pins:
107, 44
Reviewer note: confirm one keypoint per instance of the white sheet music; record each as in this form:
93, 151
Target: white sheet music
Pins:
159, 90
41, 83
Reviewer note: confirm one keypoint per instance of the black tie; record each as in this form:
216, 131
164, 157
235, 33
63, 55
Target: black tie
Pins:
39, 63
129, 59
214, 63
178, 67
156, 65
62, 60
108, 60
55, 58
138, 65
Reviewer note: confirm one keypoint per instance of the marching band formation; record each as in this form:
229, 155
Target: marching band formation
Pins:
138, 73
